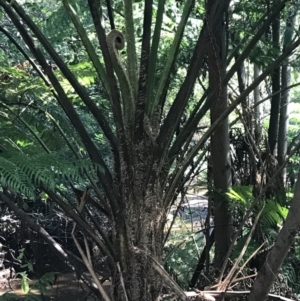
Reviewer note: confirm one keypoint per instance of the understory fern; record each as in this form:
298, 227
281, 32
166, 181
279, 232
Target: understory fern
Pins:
23, 173
272, 216
241, 198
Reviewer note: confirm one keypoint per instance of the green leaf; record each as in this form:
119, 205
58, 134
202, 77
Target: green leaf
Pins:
25, 284
241, 194
30, 267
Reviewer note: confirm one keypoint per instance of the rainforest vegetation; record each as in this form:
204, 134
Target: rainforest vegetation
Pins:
151, 148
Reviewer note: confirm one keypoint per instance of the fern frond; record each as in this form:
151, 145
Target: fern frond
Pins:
22, 173
240, 196
13, 178
273, 214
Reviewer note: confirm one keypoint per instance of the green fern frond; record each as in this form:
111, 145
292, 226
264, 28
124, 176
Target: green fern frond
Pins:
240, 195
14, 178
22, 173
273, 214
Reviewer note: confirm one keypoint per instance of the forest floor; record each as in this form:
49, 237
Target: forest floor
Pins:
190, 218
65, 288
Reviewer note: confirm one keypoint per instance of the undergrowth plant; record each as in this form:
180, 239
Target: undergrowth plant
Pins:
42, 285
22, 173
182, 254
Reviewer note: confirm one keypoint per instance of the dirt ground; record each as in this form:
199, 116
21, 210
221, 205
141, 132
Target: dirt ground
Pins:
65, 288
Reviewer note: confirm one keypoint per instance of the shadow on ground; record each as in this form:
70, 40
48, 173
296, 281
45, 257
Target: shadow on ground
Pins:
65, 288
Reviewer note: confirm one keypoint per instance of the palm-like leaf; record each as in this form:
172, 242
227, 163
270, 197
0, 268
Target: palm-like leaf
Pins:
21, 173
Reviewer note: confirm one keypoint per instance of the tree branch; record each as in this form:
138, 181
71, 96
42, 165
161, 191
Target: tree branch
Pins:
110, 14
173, 118
53, 245
191, 125
66, 71
275, 258
85, 227
153, 55
114, 90
87, 44
164, 82
106, 179
194, 151
144, 66
26, 56
254, 41
131, 52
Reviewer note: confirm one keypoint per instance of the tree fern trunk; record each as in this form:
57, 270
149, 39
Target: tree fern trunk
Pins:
135, 278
